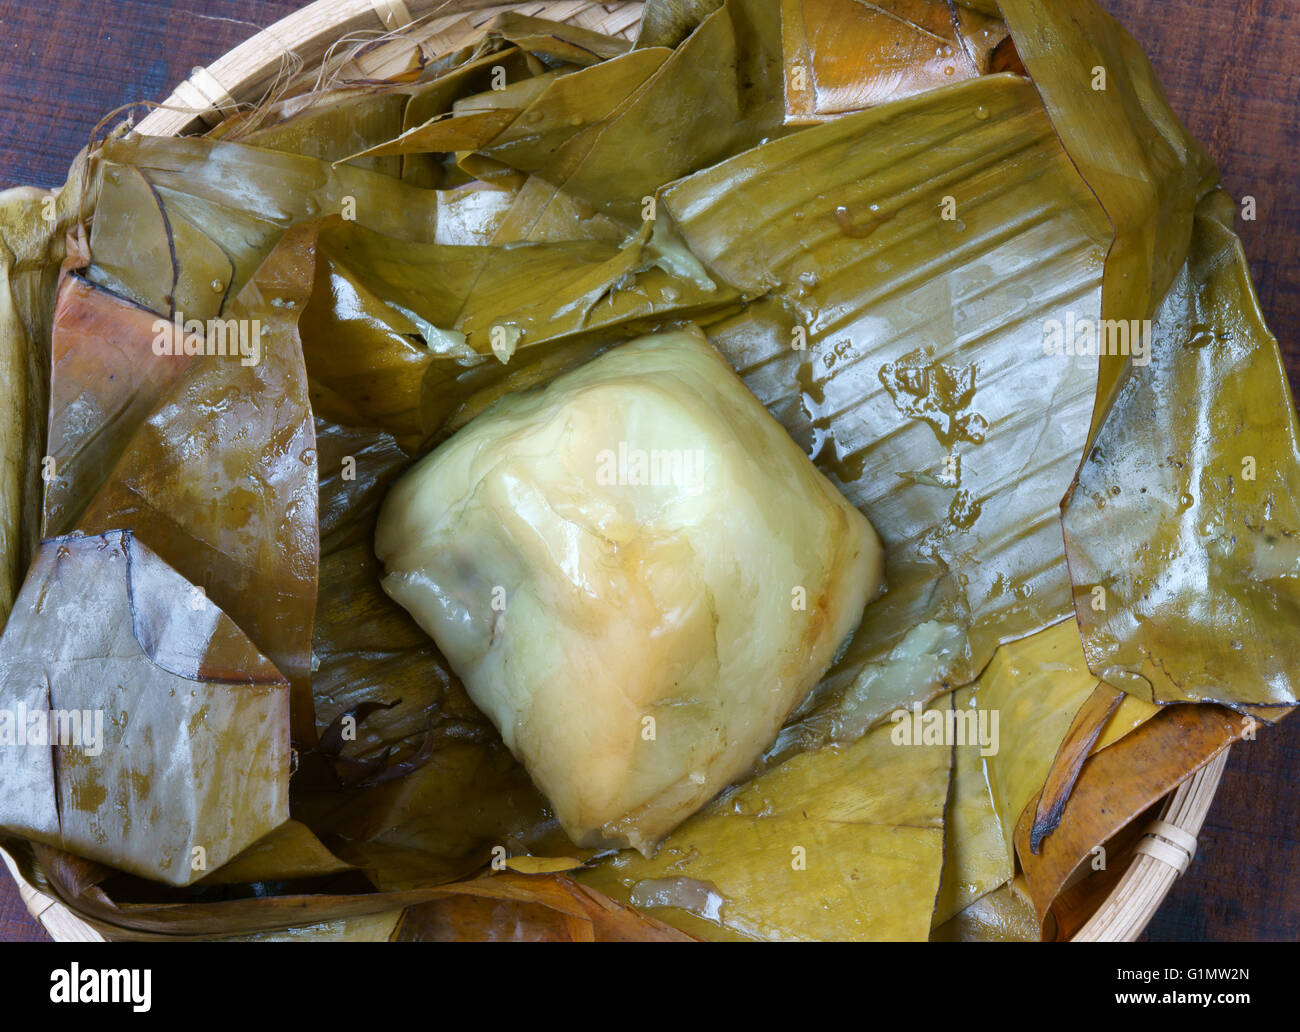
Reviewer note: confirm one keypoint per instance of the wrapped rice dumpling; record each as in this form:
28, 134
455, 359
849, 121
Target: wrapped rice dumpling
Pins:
637, 574
985, 300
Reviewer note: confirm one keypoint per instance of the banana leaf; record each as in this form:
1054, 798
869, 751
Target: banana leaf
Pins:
572, 913
366, 649
470, 131
556, 41
1004, 915
1147, 171
541, 212
976, 861
904, 351
1115, 787
731, 71
106, 379
220, 479
288, 853
1032, 696
231, 203
473, 214
842, 843
1175, 261
334, 130
380, 927
570, 105
527, 121
665, 23
846, 55
882, 281
32, 247
1089, 722
125, 694
1037, 686
1198, 516
435, 98
404, 336
506, 50
78, 882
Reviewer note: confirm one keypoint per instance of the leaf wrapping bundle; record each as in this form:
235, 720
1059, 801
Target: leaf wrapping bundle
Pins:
882, 280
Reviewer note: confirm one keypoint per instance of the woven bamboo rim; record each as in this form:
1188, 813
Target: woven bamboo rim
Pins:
307, 38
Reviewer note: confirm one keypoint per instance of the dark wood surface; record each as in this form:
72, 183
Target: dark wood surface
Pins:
1232, 71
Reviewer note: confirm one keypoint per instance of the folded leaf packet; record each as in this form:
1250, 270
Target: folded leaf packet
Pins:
637, 574
117, 719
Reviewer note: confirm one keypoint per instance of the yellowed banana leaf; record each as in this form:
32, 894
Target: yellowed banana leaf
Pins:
882, 280
666, 23
444, 133
1081, 736
334, 130
902, 349
569, 105
560, 910
556, 41
846, 55
78, 880
1036, 685
1147, 171
106, 379
403, 337
731, 71
1115, 787
542, 213
289, 853
238, 422
428, 100
1004, 915
976, 859
230, 203
34, 225
1026, 703
380, 927
502, 61
845, 842
1194, 595
117, 727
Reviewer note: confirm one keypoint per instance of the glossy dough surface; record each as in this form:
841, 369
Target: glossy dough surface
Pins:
636, 573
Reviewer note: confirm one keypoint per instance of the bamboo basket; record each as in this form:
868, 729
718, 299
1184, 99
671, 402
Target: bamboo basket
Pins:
307, 44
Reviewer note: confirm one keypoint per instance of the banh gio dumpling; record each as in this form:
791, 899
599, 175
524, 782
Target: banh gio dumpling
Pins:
636, 573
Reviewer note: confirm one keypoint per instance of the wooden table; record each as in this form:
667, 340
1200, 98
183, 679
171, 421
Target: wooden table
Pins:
1232, 71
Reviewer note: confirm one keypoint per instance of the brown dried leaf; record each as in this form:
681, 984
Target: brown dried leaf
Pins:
1117, 785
